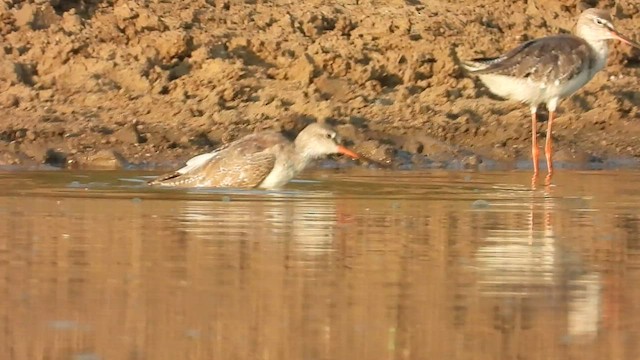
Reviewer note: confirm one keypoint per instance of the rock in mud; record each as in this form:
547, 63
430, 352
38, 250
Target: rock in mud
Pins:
102, 160
129, 135
55, 158
13, 157
36, 17
9, 100
71, 22
376, 151
302, 70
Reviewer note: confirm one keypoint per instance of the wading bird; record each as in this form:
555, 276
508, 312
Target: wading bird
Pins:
264, 160
549, 69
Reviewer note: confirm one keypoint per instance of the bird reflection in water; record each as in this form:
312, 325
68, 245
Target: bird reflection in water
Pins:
304, 219
529, 263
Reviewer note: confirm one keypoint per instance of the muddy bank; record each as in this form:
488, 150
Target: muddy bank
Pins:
106, 83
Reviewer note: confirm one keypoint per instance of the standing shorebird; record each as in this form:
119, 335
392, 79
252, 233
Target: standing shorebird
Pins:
549, 69
265, 160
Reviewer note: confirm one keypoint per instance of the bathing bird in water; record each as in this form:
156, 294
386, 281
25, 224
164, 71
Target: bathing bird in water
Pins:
266, 160
549, 69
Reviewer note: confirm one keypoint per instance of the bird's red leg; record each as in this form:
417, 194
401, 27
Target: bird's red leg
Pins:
534, 142
548, 148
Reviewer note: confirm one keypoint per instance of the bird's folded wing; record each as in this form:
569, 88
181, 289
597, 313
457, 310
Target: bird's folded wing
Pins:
545, 60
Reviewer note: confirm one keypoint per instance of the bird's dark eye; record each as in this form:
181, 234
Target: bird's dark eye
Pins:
329, 136
598, 21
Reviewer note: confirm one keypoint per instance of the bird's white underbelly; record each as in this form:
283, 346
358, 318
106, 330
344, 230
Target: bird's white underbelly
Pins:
531, 92
278, 177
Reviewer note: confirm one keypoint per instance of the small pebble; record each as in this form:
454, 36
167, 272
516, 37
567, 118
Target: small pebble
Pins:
193, 334
86, 356
480, 204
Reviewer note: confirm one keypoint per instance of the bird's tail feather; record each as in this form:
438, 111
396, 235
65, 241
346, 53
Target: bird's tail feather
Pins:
470, 65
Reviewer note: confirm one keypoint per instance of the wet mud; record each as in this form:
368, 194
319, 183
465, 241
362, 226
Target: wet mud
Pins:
110, 84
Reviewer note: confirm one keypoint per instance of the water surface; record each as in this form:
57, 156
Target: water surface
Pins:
359, 264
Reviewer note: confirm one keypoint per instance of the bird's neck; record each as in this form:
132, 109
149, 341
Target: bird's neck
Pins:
600, 49
301, 158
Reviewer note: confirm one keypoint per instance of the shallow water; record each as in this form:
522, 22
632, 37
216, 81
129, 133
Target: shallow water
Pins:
362, 264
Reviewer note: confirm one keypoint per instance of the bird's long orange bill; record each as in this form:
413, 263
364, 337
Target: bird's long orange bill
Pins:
624, 39
345, 151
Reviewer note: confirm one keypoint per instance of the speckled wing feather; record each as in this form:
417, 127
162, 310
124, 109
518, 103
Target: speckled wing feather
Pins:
545, 60
246, 172
242, 163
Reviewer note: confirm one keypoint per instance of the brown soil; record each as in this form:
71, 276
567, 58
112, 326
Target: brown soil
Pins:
103, 83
